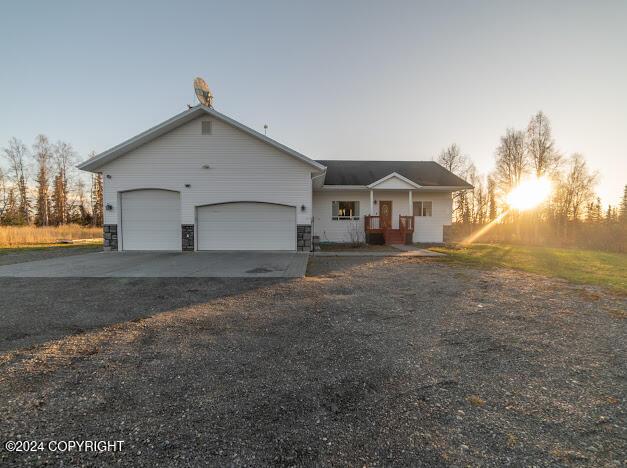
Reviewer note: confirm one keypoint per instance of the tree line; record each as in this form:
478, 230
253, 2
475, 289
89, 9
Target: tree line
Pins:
41, 186
572, 215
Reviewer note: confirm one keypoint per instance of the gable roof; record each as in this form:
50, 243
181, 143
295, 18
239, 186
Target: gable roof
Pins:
423, 173
109, 155
405, 182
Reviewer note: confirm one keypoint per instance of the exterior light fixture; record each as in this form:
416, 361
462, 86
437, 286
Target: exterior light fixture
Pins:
108, 176
206, 166
109, 207
303, 207
188, 185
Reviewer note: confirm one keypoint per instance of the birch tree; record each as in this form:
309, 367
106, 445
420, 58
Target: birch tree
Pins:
16, 154
541, 146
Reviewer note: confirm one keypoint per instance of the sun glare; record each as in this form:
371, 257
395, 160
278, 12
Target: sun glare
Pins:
529, 193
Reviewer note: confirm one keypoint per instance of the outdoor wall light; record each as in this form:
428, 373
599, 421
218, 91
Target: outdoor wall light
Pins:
303, 207
109, 207
206, 166
108, 176
188, 185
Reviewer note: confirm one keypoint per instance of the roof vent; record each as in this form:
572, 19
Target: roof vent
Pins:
206, 127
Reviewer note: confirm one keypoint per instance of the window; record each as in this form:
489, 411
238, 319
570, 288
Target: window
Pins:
345, 210
206, 127
423, 208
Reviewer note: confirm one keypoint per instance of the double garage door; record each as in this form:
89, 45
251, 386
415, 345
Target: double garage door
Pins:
151, 220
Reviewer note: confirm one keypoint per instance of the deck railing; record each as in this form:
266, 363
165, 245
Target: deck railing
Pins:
405, 225
372, 223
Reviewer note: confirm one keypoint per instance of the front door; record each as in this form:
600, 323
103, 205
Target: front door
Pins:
385, 214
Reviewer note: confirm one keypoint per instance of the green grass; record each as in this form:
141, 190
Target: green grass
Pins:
36, 247
579, 266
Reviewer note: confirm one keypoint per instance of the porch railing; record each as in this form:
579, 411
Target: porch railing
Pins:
406, 226
372, 223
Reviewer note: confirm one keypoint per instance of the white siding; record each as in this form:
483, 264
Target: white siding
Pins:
427, 229
242, 168
338, 230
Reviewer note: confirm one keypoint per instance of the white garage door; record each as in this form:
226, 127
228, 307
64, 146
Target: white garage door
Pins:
246, 226
151, 220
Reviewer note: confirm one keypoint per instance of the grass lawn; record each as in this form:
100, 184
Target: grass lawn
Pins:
579, 266
34, 247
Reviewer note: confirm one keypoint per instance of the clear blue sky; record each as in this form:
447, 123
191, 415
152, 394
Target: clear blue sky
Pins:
371, 80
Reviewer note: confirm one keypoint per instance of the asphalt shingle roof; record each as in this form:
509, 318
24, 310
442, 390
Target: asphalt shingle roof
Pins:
425, 173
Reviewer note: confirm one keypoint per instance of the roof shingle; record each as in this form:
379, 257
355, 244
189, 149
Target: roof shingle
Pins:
425, 173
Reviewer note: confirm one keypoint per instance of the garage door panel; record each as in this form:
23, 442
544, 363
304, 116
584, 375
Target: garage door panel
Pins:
151, 220
246, 226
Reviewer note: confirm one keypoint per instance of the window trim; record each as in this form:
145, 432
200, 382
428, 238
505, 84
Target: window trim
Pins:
421, 212
355, 217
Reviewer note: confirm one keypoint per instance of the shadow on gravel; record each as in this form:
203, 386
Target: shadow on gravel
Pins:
36, 310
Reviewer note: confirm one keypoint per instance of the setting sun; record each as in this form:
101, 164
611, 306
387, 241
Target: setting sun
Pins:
530, 193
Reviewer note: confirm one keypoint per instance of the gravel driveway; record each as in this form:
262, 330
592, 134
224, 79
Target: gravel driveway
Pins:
387, 361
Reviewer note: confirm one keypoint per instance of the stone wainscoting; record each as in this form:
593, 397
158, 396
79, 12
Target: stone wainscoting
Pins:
110, 234
187, 237
303, 237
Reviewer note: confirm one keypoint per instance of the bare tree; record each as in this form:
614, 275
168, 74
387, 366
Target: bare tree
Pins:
511, 163
42, 152
575, 189
478, 197
491, 199
16, 153
451, 158
4, 194
541, 146
65, 158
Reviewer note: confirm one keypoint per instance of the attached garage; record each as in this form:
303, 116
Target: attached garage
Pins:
151, 220
246, 226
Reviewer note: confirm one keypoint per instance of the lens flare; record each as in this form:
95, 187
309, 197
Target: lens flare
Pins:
529, 193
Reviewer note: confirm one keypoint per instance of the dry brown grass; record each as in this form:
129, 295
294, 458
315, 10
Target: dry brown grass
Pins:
16, 236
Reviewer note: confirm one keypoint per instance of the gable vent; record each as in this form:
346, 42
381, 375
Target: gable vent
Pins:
206, 127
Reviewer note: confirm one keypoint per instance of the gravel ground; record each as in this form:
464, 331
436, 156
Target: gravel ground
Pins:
387, 361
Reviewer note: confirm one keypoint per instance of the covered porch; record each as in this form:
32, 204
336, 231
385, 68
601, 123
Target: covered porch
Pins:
393, 222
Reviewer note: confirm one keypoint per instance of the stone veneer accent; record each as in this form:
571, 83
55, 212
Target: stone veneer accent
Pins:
187, 236
110, 234
303, 237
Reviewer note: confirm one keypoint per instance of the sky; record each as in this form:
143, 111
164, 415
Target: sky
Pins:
331, 79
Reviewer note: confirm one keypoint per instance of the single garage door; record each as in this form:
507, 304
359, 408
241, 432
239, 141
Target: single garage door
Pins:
151, 220
246, 226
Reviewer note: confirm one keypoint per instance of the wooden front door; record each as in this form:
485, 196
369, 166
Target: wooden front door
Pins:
385, 214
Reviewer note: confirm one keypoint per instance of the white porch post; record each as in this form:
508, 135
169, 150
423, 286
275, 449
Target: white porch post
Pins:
411, 204
371, 202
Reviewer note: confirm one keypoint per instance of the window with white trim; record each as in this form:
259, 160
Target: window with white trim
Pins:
341, 210
423, 208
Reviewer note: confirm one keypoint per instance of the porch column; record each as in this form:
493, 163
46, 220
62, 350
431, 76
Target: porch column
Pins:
411, 204
371, 202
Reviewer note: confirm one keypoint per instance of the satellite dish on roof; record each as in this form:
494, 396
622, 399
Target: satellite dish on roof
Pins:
202, 92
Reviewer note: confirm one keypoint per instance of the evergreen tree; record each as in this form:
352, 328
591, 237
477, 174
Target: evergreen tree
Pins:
623, 207
43, 154
96, 199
